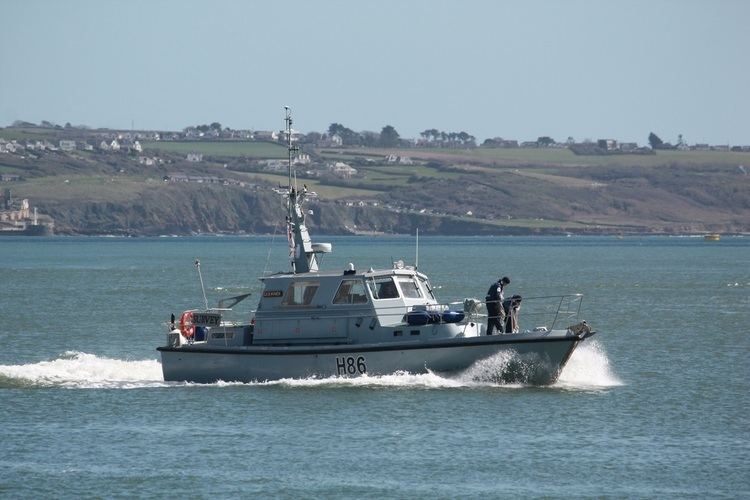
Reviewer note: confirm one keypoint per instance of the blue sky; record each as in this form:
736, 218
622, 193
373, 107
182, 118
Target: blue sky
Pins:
518, 70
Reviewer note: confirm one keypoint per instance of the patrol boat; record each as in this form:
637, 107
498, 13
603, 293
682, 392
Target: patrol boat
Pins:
352, 322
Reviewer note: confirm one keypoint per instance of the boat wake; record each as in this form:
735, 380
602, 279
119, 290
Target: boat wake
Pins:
587, 369
80, 370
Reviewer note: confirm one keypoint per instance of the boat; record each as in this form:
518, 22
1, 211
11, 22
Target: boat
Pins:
348, 322
17, 218
712, 237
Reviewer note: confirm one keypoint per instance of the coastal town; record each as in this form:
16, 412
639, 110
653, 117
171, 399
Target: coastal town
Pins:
127, 142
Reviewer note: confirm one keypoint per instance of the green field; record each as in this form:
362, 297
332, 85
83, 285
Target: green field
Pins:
409, 170
8, 169
250, 149
324, 191
567, 157
96, 188
398, 175
19, 134
562, 157
377, 177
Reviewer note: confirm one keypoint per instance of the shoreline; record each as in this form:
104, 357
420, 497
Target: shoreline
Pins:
531, 234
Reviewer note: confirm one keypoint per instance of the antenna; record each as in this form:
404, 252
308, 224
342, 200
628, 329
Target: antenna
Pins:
290, 149
200, 276
288, 128
416, 260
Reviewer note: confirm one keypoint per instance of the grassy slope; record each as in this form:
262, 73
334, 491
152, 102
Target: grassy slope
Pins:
249, 149
28, 134
325, 192
565, 157
94, 188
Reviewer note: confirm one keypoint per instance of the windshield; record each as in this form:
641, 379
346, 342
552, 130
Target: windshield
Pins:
350, 292
409, 288
383, 288
300, 293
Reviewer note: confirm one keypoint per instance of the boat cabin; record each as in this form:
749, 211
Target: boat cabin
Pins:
350, 307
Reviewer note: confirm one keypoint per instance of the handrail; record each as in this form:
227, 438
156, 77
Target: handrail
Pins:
568, 306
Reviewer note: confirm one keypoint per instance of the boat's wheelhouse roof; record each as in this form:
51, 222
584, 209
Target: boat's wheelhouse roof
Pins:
339, 288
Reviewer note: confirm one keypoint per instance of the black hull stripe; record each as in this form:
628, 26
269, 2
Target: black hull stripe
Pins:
292, 351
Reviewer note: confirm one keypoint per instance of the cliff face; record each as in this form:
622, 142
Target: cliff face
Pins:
190, 209
195, 208
172, 209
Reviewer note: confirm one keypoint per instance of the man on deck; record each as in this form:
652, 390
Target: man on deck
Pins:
494, 301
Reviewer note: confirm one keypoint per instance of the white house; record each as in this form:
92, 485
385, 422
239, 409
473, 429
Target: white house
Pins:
149, 161
274, 165
341, 169
11, 147
265, 135
401, 160
302, 159
608, 144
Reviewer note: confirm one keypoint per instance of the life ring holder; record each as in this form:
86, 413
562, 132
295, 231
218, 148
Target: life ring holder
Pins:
187, 325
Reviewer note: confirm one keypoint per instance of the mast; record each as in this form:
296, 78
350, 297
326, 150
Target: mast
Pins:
290, 149
301, 253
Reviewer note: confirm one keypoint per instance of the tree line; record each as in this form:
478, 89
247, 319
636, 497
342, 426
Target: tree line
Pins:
205, 128
388, 137
438, 138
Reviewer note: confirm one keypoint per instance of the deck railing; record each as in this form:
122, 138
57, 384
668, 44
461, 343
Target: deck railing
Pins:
542, 311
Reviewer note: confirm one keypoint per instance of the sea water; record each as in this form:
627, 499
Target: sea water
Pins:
655, 405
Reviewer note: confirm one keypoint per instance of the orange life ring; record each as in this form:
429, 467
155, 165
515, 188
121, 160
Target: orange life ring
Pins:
187, 327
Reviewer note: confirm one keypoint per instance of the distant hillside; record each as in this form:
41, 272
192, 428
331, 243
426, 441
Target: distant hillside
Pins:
477, 191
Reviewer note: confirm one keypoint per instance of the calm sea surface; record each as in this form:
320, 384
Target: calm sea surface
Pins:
658, 405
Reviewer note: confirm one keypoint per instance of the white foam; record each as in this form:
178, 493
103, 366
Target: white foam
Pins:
588, 368
88, 371
486, 372
230, 288
399, 379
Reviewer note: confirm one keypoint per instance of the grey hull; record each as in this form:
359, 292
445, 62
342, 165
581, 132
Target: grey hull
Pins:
532, 358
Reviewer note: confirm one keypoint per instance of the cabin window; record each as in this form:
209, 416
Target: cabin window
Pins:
383, 288
350, 292
409, 288
300, 293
